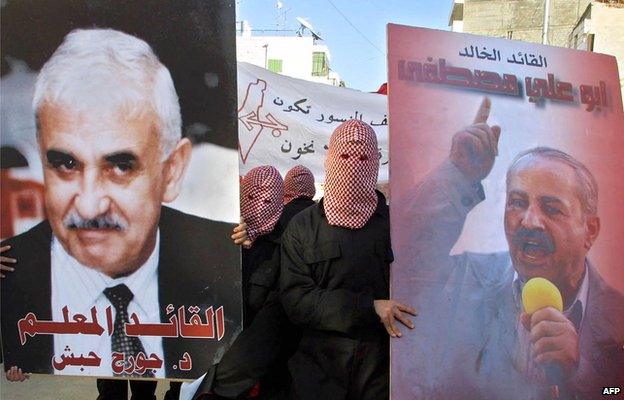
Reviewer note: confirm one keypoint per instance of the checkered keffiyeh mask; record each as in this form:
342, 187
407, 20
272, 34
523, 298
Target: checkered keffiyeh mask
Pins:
299, 182
351, 169
262, 191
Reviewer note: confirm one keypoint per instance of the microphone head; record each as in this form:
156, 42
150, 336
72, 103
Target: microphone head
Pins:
539, 293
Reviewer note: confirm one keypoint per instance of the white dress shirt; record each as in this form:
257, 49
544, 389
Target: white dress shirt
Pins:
80, 288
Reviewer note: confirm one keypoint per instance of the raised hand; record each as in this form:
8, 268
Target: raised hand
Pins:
475, 147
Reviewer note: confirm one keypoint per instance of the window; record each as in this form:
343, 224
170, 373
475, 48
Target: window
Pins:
319, 64
590, 42
275, 65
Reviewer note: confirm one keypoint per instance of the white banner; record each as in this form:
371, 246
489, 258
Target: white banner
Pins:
284, 121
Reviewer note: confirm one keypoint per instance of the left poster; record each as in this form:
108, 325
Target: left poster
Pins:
119, 187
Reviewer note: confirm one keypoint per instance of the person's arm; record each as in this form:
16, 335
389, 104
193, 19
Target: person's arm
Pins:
13, 374
339, 310
308, 305
555, 342
441, 203
597, 372
438, 207
264, 280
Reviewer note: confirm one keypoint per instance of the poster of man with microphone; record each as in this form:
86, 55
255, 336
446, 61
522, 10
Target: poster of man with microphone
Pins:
505, 221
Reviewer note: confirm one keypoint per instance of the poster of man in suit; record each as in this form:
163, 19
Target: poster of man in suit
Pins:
121, 110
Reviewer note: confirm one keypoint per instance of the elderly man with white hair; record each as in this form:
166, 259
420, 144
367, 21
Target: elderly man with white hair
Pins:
109, 132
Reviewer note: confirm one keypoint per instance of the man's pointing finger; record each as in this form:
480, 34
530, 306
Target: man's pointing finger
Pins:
484, 111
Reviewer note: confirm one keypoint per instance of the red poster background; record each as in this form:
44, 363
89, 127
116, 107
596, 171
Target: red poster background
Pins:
425, 116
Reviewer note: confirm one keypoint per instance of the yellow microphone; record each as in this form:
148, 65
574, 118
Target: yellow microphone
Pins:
539, 293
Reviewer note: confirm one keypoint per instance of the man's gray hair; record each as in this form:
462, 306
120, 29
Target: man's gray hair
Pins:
588, 187
97, 68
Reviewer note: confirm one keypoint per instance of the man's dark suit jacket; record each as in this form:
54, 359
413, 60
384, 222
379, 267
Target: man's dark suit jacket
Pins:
198, 265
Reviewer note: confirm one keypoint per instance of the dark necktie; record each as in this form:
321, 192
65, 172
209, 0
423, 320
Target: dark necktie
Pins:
120, 296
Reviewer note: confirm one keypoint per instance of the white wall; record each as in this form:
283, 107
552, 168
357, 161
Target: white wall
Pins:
294, 51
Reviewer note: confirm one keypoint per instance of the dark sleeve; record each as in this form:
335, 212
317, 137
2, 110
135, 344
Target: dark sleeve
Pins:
26, 290
264, 280
309, 305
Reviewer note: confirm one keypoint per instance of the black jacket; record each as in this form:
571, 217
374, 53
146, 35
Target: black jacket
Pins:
330, 277
261, 263
294, 207
269, 340
198, 265
260, 271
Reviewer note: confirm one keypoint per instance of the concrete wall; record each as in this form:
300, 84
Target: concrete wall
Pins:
524, 18
294, 51
568, 26
607, 25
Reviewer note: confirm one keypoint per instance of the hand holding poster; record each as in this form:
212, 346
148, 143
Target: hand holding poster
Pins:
517, 176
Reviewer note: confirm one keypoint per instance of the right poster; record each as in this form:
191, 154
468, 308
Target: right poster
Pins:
506, 165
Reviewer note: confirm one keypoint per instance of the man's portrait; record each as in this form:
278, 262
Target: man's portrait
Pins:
114, 281
494, 192
474, 300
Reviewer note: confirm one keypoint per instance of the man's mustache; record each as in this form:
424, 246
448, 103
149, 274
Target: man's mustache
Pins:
534, 236
106, 221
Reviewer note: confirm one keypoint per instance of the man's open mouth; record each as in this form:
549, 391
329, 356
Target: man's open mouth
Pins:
533, 244
534, 249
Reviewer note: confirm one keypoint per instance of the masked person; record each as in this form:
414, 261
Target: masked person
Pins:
262, 190
299, 191
261, 260
334, 280
241, 369
255, 364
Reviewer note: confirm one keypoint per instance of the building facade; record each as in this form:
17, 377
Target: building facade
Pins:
601, 29
592, 25
286, 52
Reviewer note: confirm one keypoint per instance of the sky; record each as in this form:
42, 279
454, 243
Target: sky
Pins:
353, 30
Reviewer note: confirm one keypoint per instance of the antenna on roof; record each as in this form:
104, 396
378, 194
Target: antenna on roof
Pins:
281, 15
307, 25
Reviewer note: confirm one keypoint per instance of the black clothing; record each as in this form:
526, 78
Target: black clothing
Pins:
194, 268
262, 349
259, 354
115, 389
294, 207
259, 271
329, 279
261, 264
